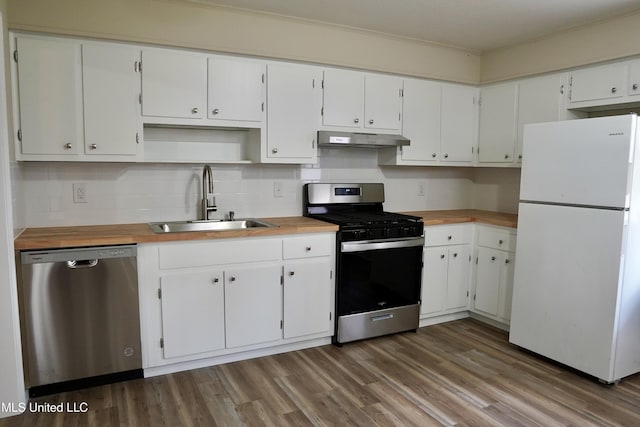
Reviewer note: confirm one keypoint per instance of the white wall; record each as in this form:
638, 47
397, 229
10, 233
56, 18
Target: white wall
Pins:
11, 375
496, 189
121, 193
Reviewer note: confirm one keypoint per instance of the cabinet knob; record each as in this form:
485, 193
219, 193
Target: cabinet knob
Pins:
194, 110
520, 156
371, 121
356, 120
635, 86
292, 273
308, 248
449, 237
446, 156
614, 90
493, 258
274, 151
215, 280
506, 156
433, 155
215, 111
232, 278
442, 256
93, 146
506, 261
455, 255
500, 241
68, 146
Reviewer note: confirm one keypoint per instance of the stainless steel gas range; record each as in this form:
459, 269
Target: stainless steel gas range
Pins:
378, 257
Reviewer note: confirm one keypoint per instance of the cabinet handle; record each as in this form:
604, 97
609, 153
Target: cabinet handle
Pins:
635, 86
500, 242
215, 111
308, 248
614, 90
506, 261
68, 146
215, 280
433, 155
93, 146
493, 258
356, 120
232, 278
274, 151
371, 121
442, 256
292, 273
194, 110
446, 156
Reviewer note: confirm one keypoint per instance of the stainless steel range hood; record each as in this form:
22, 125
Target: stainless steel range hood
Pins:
354, 139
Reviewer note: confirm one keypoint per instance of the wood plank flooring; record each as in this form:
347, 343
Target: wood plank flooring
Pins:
462, 373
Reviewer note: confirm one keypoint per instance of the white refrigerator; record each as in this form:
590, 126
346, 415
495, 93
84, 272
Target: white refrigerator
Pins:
576, 295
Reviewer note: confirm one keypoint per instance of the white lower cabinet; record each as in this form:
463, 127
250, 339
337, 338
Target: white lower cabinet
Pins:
447, 269
204, 300
494, 272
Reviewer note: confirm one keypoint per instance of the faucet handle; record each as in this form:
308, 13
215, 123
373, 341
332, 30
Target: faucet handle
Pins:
211, 200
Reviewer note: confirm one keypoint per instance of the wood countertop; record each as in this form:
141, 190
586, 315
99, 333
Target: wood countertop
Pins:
119, 234
458, 216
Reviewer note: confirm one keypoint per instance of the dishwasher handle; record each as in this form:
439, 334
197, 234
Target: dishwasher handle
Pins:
88, 263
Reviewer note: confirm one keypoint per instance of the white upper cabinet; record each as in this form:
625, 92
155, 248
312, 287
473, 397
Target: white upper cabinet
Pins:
633, 88
49, 80
174, 84
459, 119
235, 89
421, 121
604, 82
110, 93
354, 100
294, 100
497, 123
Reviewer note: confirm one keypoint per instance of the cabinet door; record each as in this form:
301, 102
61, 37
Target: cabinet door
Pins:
459, 273
294, 97
235, 89
110, 92
50, 92
594, 83
343, 98
253, 305
174, 84
421, 120
633, 87
192, 312
488, 281
497, 123
458, 123
307, 298
434, 280
506, 285
539, 100
382, 102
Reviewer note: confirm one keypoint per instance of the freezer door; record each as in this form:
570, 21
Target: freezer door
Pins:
567, 279
580, 162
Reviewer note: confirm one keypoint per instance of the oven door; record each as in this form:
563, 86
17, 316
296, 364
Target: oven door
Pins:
378, 275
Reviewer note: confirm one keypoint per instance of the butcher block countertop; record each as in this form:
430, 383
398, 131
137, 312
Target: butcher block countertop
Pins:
466, 215
119, 234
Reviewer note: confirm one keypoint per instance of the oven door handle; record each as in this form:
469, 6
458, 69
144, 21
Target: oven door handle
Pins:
374, 246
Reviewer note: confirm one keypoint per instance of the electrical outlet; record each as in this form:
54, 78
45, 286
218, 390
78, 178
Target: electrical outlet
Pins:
80, 192
421, 189
277, 189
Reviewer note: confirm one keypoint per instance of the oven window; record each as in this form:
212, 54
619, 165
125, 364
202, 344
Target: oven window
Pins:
378, 279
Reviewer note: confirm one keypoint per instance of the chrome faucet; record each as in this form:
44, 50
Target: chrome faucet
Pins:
208, 201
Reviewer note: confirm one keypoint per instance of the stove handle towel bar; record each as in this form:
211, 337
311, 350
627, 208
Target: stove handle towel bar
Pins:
372, 245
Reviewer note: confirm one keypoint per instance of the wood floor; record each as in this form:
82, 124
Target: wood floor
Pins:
461, 373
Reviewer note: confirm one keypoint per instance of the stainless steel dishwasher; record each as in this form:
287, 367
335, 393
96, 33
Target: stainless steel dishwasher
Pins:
80, 317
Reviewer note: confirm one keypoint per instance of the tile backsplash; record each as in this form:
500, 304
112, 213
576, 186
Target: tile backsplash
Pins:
123, 193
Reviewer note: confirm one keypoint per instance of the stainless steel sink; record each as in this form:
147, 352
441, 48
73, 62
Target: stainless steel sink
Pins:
211, 225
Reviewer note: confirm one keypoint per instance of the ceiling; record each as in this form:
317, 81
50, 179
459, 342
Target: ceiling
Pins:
477, 25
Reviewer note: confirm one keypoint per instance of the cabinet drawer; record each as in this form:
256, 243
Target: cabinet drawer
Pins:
200, 254
306, 246
451, 235
497, 239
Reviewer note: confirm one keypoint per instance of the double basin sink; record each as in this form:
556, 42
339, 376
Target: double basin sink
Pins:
210, 225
